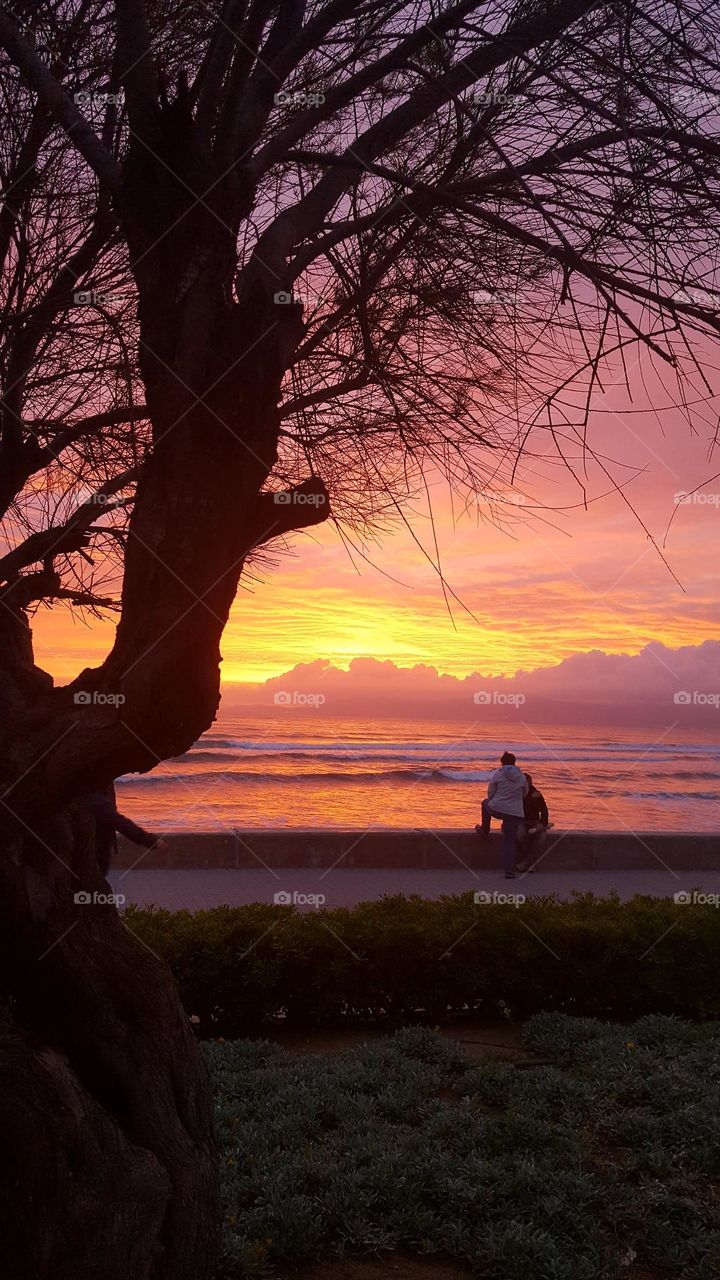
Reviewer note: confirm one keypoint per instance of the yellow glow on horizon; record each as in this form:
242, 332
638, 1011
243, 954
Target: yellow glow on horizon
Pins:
534, 603
279, 627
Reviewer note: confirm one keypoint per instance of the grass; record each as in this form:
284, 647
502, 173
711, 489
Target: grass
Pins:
603, 1165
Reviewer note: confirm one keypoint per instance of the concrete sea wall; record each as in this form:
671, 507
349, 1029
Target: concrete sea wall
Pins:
444, 848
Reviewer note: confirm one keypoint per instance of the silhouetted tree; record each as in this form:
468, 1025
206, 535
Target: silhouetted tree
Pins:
265, 262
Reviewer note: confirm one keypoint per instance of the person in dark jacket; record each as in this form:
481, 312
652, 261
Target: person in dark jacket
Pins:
534, 828
103, 807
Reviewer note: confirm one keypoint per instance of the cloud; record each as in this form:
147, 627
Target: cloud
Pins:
657, 685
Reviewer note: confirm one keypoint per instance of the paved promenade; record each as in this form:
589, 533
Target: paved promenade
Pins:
194, 890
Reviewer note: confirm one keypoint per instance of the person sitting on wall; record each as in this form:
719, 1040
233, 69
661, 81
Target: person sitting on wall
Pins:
532, 833
506, 790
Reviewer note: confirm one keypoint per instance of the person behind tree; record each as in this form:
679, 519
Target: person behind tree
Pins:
103, 807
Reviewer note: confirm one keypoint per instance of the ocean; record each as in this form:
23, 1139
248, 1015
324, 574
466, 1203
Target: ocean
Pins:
304, 770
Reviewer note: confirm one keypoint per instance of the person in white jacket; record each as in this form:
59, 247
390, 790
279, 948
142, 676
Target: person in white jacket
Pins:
506, 790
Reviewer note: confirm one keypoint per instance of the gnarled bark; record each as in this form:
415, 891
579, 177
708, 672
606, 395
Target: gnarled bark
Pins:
109, 1165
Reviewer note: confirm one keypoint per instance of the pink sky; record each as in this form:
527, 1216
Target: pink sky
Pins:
546, 585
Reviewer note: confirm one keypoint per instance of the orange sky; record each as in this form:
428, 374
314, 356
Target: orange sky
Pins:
538, 593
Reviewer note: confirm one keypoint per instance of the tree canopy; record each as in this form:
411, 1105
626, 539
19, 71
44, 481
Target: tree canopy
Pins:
427, 228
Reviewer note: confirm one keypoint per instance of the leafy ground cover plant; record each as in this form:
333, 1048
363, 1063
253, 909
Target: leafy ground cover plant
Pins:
603, 1164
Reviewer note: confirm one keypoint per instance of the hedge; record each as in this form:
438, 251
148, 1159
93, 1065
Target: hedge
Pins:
400, 959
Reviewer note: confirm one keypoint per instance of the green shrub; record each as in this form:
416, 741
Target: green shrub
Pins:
400, 959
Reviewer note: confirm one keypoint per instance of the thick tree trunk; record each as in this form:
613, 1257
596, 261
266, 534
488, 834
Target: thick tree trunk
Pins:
112, 1086
77, 1199
105, 1125
107, 1159
98, 1065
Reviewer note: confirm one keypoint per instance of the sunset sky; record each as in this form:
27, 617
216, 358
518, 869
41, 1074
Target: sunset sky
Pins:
550, 583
